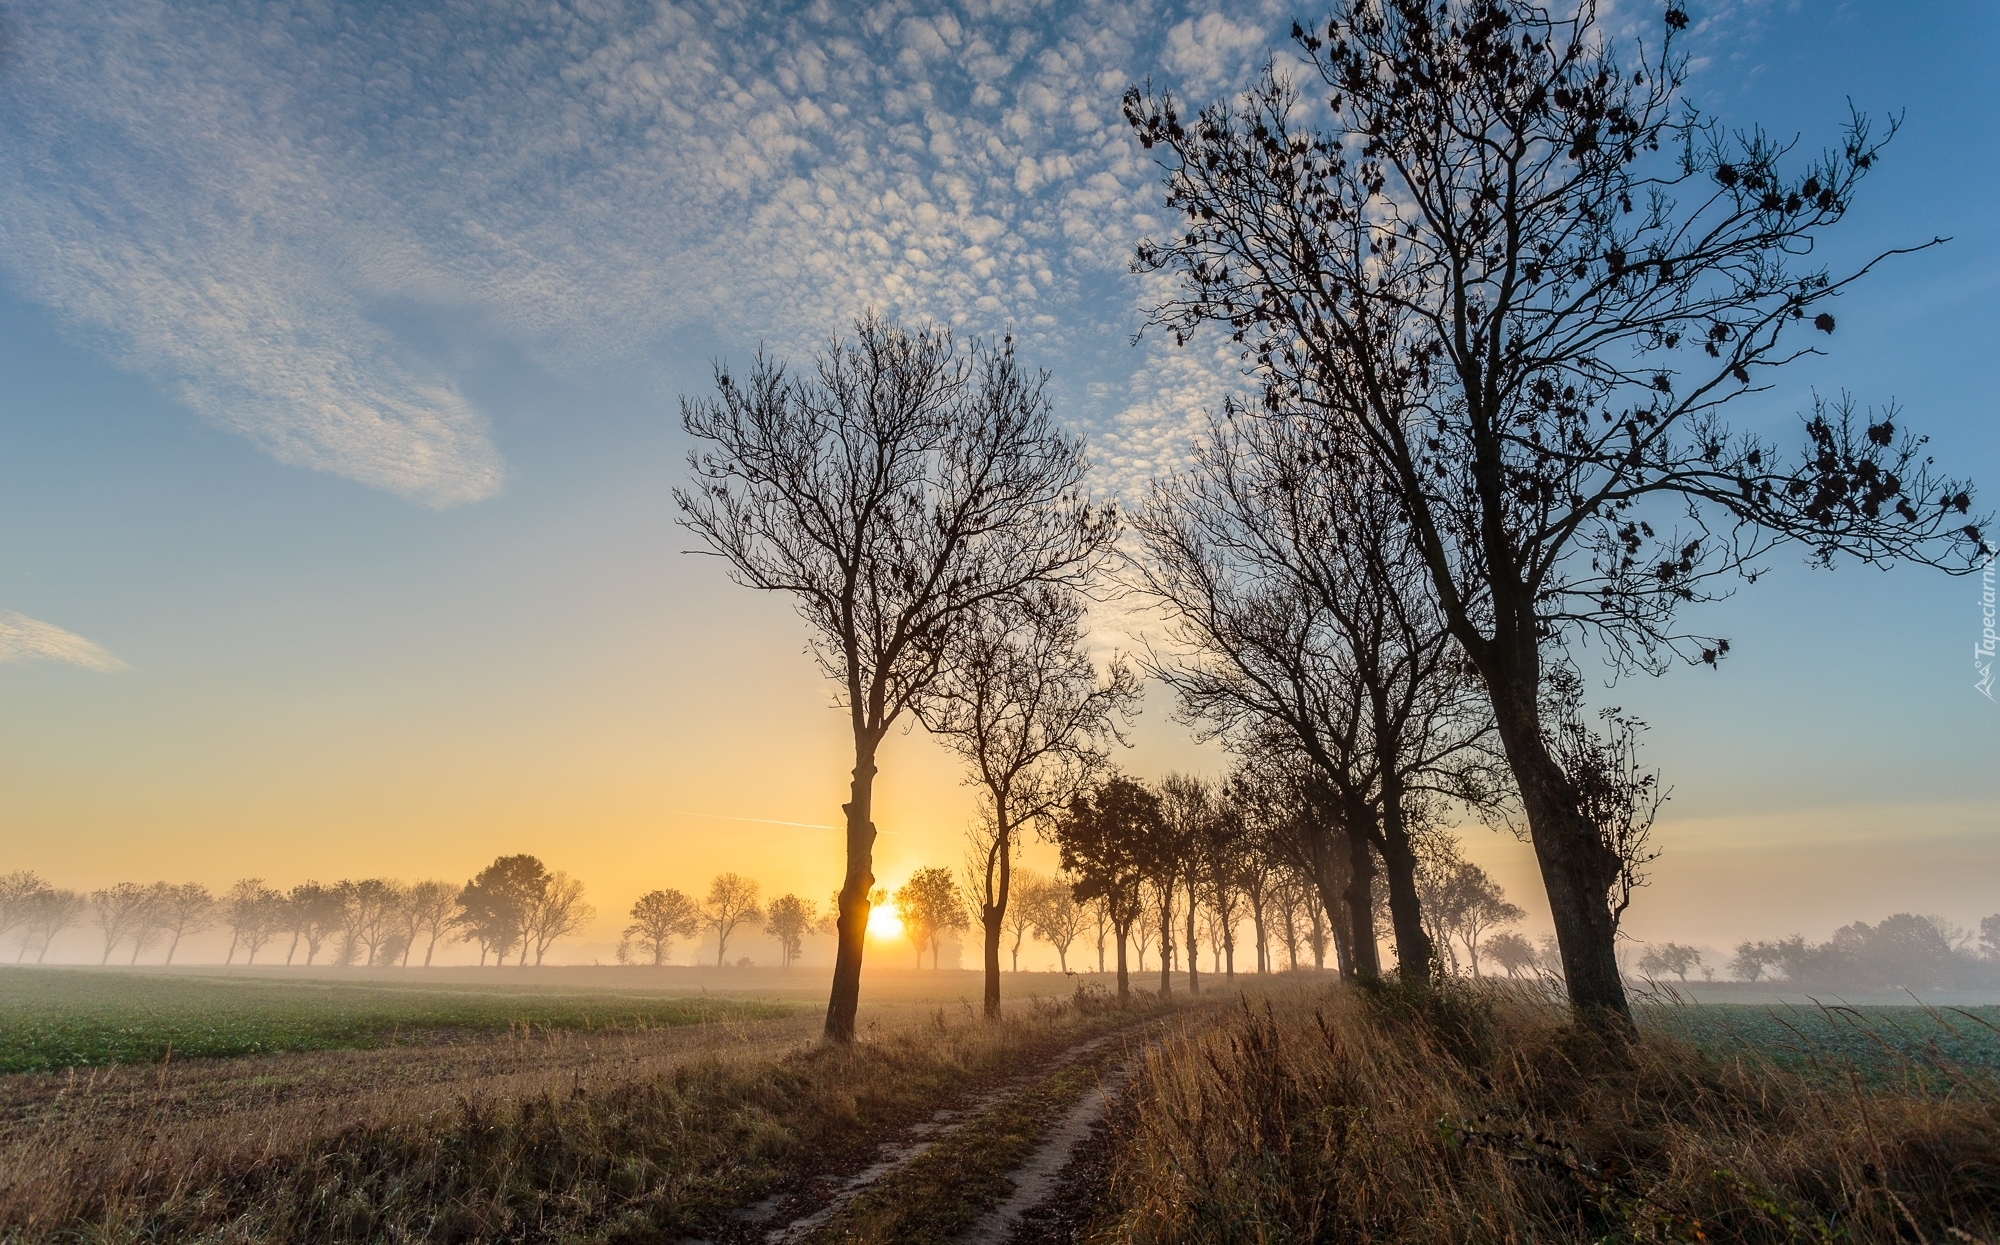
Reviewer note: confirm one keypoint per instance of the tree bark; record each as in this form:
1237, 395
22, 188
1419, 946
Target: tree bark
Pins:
1166, 941
1193, 945
852, 927
994, 915
1576, 869
1414, 953
1124, 978
1357, 900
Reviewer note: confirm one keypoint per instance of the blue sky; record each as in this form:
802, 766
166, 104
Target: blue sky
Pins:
343, 345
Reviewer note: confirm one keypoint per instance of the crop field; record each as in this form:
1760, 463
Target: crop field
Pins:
52, 1019
1874, 1041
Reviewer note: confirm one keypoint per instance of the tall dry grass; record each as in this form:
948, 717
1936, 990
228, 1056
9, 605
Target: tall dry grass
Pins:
634, 1137
1482, 1115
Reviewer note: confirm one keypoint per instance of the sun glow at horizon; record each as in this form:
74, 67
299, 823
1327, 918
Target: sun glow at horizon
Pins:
883, 923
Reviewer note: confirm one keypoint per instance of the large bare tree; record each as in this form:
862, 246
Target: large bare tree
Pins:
895, 491
1503, 259
1022, 702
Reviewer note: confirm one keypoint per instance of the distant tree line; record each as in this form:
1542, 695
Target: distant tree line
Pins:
514, 907
1903, 952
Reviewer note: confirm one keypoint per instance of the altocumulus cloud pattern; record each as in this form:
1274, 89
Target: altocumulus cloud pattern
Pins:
240, 198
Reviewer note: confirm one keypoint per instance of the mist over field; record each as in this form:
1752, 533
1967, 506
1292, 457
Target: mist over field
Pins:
998, 624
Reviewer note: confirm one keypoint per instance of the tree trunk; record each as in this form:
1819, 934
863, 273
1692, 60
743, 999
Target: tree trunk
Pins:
1166, 942
1124, 978
1358, 901
1575, 870
1257, 925
852, 927
1000, 864
1193, 945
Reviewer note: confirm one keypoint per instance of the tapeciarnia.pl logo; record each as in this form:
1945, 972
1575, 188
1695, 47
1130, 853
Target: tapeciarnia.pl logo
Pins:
1982, 652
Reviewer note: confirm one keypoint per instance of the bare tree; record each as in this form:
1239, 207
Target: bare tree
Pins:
19, 894
1521, 279
1300, 620
659, 917
121, 912
732, 900
53, 910
1020, 917
1670, 957
1059, 918
313, 912
428, 908
895, 493
249, 909
789, 919
180, 910
1460, 901
555, 913
369, 912
1022, 703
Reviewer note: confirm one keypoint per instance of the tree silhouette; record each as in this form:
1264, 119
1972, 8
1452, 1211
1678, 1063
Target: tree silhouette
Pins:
312, 912
428, 908
1059, 918
1512, 952
555, 912
1103, 836
659, 917
1022, 703
732, 900
1521, 279
1670, 957
121, 912
895, 493
929, 905
495, 907
789, 919
252, 912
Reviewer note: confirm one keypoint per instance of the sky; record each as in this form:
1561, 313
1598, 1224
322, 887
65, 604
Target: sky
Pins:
343, 346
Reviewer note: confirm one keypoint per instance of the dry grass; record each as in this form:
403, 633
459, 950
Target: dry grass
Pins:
636, 1135
1482, 1116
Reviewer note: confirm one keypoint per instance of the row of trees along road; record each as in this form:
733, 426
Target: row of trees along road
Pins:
513, 906
1497, 284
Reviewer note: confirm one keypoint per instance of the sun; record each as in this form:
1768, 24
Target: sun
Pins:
883, 922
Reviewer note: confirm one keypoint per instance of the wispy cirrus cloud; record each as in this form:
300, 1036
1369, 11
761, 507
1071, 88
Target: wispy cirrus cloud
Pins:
241, 200
24, 637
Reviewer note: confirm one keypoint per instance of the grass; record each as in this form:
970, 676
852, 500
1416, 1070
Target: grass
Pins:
599, 1137
944, 1192
1482, 1115
52, 1019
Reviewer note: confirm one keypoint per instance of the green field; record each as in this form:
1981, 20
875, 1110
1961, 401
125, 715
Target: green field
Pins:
1875, 1041
51, 1018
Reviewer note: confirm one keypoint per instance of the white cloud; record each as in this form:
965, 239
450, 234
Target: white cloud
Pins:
23, 637
242, 202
